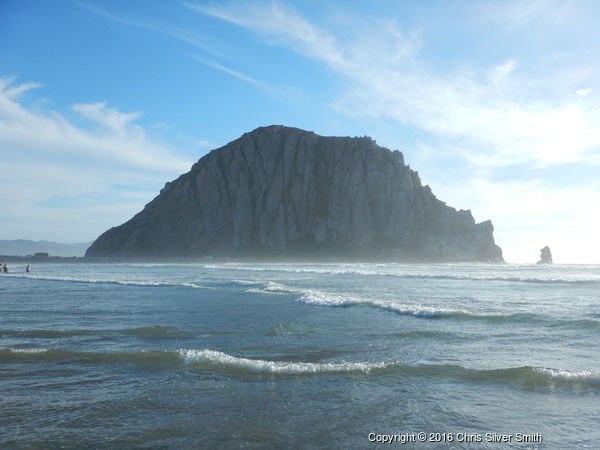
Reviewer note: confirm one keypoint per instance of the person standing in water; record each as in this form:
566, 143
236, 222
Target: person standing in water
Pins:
28, 268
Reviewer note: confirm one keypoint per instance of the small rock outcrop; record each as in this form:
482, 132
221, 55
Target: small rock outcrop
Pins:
545, 256
280, 191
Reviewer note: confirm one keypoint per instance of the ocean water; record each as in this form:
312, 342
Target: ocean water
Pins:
300, 356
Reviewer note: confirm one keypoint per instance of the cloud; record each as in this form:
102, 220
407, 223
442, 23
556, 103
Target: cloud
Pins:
547, 14
282, 24
166, 29
118, 18
493, 115
227, 70
203, 143
114, 121
13, 92
495, 109
583, 91
176, 32
55, 169
116, 139
534, 213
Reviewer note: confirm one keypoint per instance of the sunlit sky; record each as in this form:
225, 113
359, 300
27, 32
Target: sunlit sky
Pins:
495, 103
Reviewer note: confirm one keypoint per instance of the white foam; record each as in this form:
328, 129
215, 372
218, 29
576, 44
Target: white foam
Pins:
320, 298
195, 286
283, 367
122, 282
273, 288
245, 282
314, 297
590, 375
421, 311
462, 271
25, 350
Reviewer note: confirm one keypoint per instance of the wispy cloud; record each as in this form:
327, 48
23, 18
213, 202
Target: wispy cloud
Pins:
12, 92
227, 70
583, 91
114, 121
47, 161
282, 25
116, 17
174, 31
495, 109
525, 14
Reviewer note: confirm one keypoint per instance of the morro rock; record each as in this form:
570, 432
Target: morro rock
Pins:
280, 191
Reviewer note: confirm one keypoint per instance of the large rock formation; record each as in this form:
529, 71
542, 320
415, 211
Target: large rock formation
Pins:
281, 191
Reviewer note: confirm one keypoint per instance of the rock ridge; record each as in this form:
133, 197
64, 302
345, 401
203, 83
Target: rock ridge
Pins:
281, 191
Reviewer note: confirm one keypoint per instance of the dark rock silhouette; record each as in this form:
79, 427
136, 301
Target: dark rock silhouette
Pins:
280, 191
545, 256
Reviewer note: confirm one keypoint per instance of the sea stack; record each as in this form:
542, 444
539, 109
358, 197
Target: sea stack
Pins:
285, 192
545, 256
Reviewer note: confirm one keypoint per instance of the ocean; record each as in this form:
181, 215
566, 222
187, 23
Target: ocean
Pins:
336, 356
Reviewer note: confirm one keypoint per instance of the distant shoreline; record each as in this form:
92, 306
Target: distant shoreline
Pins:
38, 259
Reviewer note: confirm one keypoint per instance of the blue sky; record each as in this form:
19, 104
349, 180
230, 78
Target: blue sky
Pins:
495, 103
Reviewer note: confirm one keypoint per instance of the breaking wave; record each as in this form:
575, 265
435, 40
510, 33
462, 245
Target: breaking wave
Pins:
420, 311
526, 377
194, 359
458, 272
124, 282
216, 359
331, 299
321, 298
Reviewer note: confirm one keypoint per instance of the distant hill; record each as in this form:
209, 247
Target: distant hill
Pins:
24, 247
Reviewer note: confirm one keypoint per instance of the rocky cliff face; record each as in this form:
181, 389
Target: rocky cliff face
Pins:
285, 191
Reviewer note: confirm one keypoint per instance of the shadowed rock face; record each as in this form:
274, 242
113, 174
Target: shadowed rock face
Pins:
287, 192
